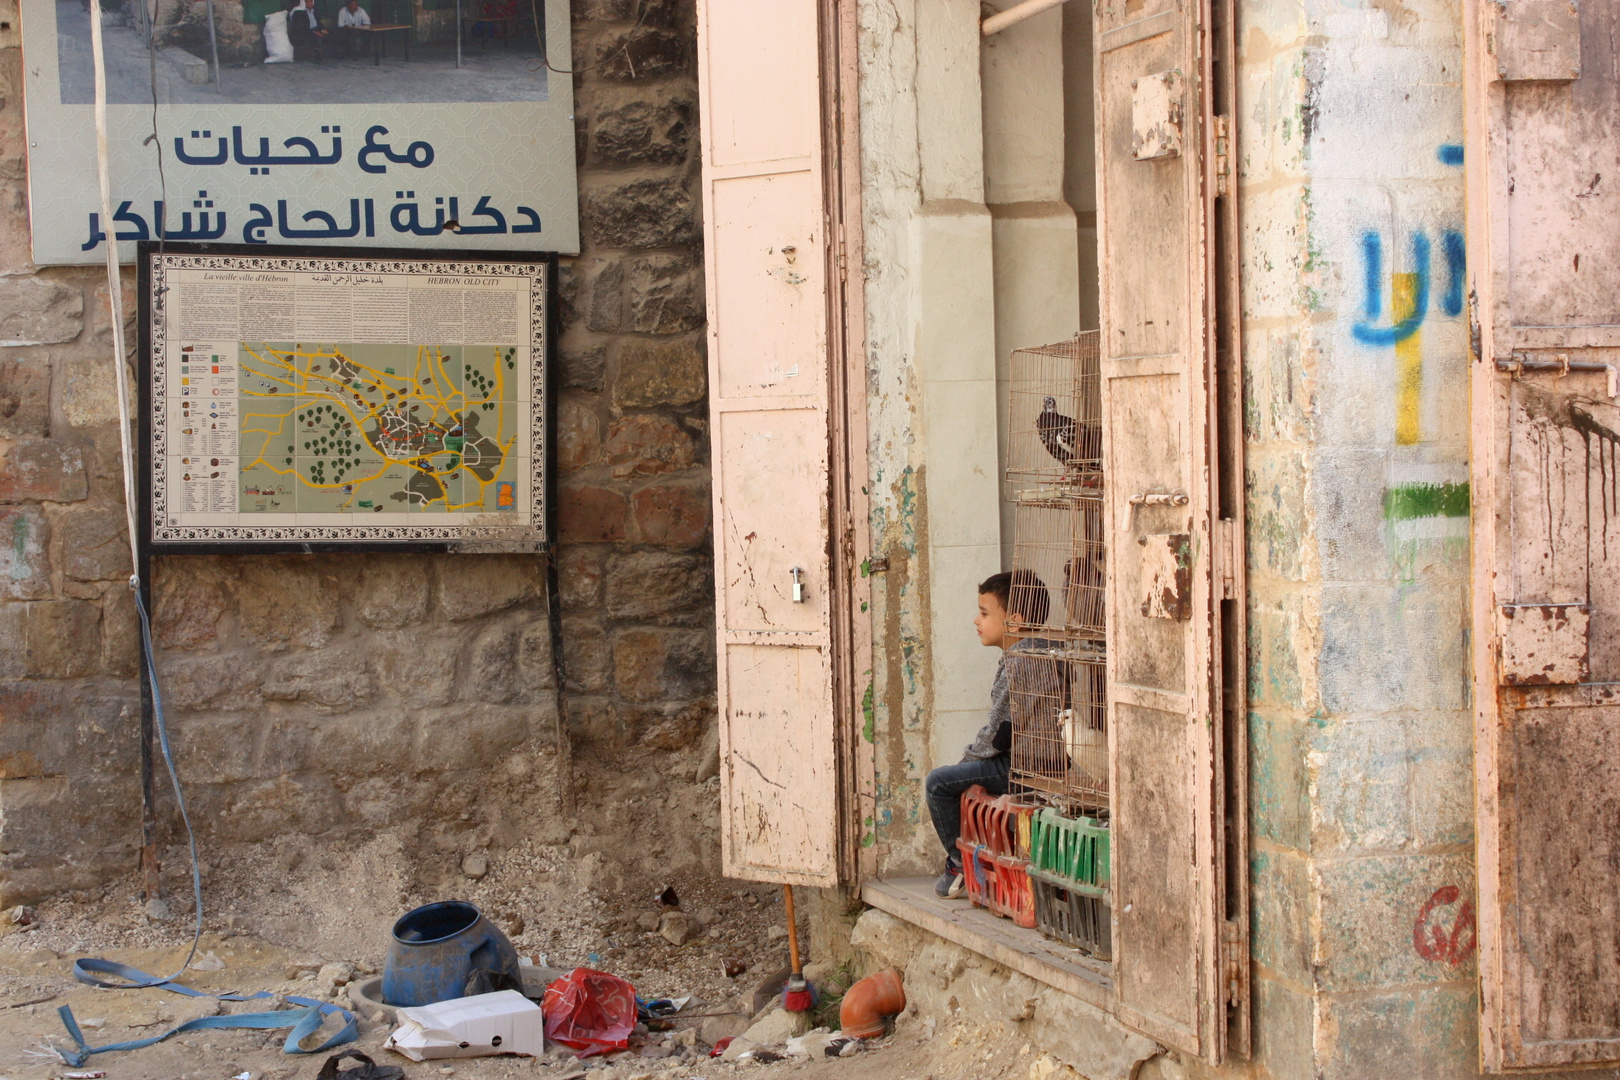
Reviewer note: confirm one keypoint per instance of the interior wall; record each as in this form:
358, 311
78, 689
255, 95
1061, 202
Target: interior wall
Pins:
1080, 152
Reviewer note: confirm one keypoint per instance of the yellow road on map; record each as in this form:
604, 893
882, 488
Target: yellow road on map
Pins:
354, 429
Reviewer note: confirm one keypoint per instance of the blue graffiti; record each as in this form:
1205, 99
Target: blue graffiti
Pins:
1372, 304
1450, 153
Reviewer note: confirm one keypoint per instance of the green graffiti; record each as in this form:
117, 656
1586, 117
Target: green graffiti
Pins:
1404, 502
868, 710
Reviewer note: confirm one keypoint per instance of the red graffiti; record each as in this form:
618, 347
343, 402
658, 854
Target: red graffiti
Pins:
1429, 934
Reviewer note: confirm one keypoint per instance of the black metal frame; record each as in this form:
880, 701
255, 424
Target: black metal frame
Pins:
146, 249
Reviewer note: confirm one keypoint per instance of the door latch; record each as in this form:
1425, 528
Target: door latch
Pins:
1160, 498
798, 586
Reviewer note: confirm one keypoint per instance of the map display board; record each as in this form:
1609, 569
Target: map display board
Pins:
339, 400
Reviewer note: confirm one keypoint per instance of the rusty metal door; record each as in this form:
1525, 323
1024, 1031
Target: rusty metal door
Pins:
1543, 157
1174, 600
766, 257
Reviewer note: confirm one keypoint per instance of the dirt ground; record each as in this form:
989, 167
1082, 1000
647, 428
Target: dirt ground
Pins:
276, 913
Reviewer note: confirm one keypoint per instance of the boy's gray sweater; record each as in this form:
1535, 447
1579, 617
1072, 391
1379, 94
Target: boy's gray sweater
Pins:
995, 738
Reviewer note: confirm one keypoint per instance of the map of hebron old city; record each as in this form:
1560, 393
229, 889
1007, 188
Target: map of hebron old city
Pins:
346, 439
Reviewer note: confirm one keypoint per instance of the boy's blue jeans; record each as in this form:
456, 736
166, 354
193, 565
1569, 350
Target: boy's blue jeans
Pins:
944, 788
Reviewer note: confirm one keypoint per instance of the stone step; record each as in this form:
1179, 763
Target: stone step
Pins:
191, 68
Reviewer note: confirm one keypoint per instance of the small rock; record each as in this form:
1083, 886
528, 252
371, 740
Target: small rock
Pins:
333, 976
776, 932
648, 921
677, 927
475, 865
156, 909
715, 1028
707, 916
297, 969
732, 967
515, 926
776, 1027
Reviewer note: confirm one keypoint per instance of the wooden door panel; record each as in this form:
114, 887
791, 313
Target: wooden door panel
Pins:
764, 200
779, 755
1565, 917
1158, 976
1155, 223
1544, 265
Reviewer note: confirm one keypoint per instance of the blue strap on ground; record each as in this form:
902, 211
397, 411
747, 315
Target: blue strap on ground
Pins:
304, 1021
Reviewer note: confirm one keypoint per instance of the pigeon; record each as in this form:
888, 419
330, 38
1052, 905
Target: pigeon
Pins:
1057, 432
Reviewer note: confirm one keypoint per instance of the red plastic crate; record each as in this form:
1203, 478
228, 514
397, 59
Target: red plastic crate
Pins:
1001, 823
998, 883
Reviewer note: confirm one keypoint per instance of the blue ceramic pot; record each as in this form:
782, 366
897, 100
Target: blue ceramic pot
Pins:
436, 947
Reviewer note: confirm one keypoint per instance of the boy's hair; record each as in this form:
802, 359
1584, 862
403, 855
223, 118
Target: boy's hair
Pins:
1021, 592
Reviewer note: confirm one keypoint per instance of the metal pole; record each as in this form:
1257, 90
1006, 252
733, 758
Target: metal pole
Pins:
151, 875
1014, 15
213, 43
458, 33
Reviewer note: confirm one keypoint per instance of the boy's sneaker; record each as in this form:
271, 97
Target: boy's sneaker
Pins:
950, 884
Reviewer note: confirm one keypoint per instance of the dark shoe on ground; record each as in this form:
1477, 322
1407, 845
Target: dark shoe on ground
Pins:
950, 884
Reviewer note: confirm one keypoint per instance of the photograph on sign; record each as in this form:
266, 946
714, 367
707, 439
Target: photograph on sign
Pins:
342, 400
417, 124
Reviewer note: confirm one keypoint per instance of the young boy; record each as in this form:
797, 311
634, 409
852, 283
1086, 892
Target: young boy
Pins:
988, 759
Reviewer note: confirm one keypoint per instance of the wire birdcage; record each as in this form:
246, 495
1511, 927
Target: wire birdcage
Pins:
1057, 694
1054, 426
1058, 556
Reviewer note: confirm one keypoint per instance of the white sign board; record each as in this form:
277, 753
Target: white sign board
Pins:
292, 399
436, 125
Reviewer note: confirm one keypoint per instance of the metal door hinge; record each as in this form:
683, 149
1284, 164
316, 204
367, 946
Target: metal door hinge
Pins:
843, 259
1223, 157
1228, 556
1234, 963
876, 566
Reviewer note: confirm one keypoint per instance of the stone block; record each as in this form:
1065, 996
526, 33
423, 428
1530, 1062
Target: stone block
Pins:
1394, 920
416, 666
220, 682
656, 584
366, 743
664, 295
25, 566
663, 665
643, 132
492, 664
587, 654
645, 445
393, 591
583, 367
1443, 795
50, 639
567, 290
120, 633
189, 599
333, 679
256, 811
659, 373
669, 727
591, 515
457, 737
25, 397
1278, 529
579, 436
1348, 488
1280, 906
592, 721
473, 585
579, 576
42, 470
647, 213
535, 674
633, 55
1430, 1031
607, 300
39, 311
222, 749
1284, 1024
1279, 786
672, 515
90, 393
1360, 783
92, 544
1394, 647
284, 602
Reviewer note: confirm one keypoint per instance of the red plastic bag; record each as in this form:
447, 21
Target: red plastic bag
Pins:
590, 1012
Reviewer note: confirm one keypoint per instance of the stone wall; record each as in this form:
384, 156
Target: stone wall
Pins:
344, 694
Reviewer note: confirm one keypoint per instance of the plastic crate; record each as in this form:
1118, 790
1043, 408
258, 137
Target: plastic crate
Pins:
1072, 849
1001, 823
998, 883
1065, 912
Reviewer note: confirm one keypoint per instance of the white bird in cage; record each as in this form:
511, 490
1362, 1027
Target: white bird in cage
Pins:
1088, 750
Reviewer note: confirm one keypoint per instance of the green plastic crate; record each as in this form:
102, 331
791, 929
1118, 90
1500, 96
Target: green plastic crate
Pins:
1071, 849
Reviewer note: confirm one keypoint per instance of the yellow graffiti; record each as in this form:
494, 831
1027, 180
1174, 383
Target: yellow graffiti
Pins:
1404, 290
